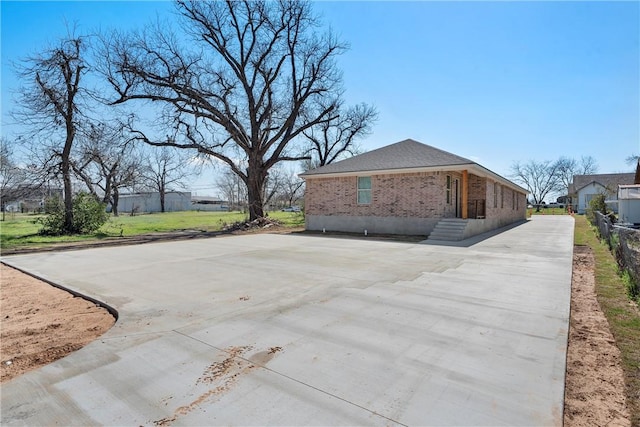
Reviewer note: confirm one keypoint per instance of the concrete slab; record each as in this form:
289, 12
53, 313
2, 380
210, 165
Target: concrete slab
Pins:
311, 330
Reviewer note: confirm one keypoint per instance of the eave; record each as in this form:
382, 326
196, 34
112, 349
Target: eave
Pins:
474, 168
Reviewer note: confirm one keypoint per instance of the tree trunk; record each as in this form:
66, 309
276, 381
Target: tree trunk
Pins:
114, 204
68, 227
162, 193
256, 177
68, 196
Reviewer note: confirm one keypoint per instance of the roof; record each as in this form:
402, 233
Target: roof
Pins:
629, 192
636, 180
152, 194
407, 154
607, 180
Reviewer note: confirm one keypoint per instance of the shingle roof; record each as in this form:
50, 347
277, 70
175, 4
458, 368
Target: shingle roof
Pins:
407, 154
608, 180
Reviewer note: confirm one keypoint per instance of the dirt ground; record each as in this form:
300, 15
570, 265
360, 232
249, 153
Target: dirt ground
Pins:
40, 324
594, 387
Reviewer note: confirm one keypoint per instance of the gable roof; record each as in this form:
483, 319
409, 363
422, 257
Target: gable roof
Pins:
407, 154
607, 180
636, 180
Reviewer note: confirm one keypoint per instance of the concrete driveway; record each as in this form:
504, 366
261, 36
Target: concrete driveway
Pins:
303, 330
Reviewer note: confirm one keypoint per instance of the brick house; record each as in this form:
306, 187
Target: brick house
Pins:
411, 188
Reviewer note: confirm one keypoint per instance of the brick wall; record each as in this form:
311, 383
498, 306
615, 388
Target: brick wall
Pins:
411, 195
505, 204
477, 187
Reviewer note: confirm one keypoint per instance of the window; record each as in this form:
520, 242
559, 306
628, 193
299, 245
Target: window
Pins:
448, 189
501, 198
364, 190
495, 194
513, 199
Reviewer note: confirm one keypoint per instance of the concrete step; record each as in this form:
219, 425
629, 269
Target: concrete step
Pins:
452, 226
449, 229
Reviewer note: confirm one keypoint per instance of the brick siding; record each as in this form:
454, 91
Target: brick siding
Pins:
501, 203
415, 195
410, 195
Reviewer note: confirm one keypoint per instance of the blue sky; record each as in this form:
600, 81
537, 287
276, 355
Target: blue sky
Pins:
496, 82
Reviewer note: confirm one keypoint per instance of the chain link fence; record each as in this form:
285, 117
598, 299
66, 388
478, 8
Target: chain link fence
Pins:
625, 244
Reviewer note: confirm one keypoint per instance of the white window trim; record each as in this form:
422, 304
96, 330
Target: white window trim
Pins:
364, 190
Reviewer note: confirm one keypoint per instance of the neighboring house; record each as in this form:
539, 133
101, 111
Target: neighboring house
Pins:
411, 188
586, 187
174, 201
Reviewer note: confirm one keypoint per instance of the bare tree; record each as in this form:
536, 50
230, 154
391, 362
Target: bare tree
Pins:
540, 178
253, 78
12, 177
233, 190
568, 167
166, 169
274, 184
109, 163
51, 107
293, 188
336, 136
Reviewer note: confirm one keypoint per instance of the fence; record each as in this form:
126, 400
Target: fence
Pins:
625, 244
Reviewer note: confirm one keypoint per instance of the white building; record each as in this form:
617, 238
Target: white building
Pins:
629, 204
174, 201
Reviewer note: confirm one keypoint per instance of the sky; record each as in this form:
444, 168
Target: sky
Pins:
495, 82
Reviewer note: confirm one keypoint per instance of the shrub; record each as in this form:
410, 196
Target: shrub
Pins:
53, 205
89, 215
53, 221
596, 204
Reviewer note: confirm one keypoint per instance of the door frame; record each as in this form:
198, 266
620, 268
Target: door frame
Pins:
456, 197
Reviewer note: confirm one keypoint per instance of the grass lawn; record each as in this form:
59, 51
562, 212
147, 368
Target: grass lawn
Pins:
622, 315
546, 211
19, 231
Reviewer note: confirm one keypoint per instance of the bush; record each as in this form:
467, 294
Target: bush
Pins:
53, 205
53, 221
89, 215
596, 204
